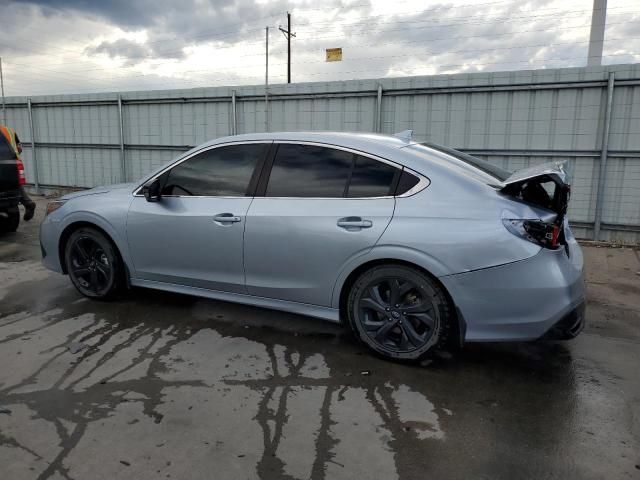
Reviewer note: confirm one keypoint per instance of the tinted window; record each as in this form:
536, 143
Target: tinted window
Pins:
480, 164
224, 171
406, 183
309, 171
371, 178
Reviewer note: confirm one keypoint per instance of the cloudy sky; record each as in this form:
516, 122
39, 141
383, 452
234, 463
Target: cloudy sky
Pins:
80, 46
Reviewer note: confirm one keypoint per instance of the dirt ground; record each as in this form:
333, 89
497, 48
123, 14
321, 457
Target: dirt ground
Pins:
158, 385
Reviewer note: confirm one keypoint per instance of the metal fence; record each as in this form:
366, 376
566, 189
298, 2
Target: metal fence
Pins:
588, 117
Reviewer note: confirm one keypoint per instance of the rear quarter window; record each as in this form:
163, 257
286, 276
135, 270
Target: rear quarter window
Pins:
407, 182
371, 178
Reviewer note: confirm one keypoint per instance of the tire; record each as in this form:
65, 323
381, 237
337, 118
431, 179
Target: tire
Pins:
14, 219
408, 325
94, 264
11, 222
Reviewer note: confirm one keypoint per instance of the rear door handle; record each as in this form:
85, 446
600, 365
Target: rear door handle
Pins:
226, 218
354, 223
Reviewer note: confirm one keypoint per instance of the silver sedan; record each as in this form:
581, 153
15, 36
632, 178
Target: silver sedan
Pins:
417, 247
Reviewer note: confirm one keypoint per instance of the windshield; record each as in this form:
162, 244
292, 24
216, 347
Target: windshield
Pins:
496, 172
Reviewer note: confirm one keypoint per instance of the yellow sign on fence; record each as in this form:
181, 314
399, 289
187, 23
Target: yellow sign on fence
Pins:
334, 54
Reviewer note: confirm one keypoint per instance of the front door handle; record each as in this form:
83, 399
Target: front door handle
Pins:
226, 218
354, 223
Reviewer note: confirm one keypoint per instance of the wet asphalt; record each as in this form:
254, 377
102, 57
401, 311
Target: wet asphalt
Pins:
158, 385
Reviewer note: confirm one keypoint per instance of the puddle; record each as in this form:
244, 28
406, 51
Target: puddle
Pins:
169, 385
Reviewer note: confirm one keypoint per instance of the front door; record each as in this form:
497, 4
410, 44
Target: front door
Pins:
320, 207
194, 235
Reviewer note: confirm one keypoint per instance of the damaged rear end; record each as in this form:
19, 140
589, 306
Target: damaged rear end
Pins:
546, 188
542, 295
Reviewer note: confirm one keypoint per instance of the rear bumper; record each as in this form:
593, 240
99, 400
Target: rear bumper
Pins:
569, 326
522, 300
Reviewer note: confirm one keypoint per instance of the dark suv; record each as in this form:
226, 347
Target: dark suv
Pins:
11, 176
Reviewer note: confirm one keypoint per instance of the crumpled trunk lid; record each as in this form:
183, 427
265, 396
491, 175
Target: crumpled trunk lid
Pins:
545, 186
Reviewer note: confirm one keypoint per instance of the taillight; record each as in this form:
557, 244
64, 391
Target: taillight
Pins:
536, 231
22, 180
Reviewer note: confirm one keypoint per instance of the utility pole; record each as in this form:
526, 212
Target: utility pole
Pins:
266, 80
287, 33
4, 108
596, 38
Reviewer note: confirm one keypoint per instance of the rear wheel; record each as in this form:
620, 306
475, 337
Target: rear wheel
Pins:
399, 312
11, 221
93, 264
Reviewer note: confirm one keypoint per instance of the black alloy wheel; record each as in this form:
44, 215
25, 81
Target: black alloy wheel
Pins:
93, 263
398, 311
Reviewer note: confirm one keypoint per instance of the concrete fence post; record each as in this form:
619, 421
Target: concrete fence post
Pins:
34, 156
123, 161
603, 157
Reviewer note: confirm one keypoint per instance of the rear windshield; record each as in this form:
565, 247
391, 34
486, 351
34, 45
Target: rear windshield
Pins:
496, 172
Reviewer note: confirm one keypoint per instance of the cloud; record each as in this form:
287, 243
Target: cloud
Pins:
122, 48
146, 44
133, 52
169, 26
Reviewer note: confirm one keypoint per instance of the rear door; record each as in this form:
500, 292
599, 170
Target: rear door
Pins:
193, 235
316, 208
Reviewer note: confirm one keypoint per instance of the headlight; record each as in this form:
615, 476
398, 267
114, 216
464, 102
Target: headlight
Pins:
55, 205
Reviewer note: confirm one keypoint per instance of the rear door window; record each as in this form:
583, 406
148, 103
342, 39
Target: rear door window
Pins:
309, 171
218, 172
322, 172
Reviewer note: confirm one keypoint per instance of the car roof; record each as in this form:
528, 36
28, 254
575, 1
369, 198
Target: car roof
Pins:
364, 141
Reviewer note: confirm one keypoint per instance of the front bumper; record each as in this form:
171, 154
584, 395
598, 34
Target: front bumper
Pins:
522, 300
49, 237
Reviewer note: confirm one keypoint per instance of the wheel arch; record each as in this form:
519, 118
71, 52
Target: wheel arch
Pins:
459, 325
72, 227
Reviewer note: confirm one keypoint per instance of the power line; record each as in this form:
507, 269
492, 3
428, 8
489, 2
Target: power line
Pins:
480, 50
180, 51
478, 36
484, 17
440, 67
218, 33
483, 64
234, 78
376, 44
419, 53
380, 26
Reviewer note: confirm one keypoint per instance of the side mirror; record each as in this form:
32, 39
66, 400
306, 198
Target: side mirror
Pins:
151, 191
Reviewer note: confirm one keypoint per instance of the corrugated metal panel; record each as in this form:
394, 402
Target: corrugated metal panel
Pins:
507, 117
143, 162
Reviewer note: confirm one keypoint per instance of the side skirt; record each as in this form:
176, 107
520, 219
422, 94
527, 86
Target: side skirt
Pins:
325, 313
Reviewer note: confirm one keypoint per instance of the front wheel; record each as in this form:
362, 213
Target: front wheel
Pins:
399, 312
93, 264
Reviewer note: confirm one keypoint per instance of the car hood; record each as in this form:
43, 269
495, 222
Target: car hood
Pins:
100, 190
